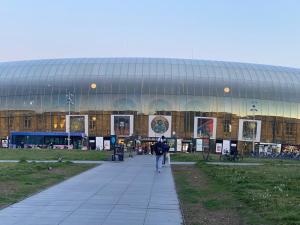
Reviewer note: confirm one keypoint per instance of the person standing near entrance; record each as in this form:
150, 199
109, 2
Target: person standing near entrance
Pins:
159, 152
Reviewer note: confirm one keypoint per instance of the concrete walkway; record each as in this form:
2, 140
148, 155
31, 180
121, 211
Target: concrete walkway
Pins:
129, 193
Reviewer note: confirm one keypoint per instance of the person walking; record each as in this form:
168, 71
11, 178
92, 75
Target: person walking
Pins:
159, 152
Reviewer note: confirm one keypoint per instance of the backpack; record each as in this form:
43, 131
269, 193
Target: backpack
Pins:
159, 149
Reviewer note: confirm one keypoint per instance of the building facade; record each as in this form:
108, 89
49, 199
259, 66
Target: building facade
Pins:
147, 97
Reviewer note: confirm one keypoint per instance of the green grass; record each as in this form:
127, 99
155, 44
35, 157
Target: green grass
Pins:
198, 157
19, 180
51, 154
272, 191
205, 202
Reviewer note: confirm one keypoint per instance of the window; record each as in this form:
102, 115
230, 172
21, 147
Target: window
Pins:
9, 122
92, 122
58, 121
227, 126
290, 129
27, 122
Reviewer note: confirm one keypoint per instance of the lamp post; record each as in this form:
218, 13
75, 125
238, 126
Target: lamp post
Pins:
69, 100
253, 110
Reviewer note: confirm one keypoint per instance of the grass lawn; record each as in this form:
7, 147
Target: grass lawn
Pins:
196, 157
51, 154
268, 194
18, 180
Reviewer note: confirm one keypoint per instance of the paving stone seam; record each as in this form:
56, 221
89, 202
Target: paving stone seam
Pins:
149, 200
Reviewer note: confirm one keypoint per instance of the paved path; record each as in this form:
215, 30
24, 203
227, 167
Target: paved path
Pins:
129, 193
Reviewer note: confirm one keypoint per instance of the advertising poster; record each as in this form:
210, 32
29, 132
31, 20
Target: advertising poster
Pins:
226, 147
179, 145
159, 126
205, 127
77, 123
122, 125
268, 148
106, 144
172, 144
99, 143
199, 145
218, 147
249, 129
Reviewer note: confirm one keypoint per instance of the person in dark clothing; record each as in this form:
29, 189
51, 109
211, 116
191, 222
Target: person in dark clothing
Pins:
159, 148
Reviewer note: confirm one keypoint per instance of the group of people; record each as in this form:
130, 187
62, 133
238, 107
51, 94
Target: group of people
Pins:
161, 151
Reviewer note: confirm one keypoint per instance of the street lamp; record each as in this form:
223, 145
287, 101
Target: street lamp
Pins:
93, 85
253, 110
226, 90
69, 100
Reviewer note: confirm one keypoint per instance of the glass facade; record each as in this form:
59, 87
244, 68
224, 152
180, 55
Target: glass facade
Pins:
33, 93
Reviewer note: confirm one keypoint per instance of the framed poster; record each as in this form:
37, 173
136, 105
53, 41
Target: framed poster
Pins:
249, 129
159, 126
205, 127
199, 145
121, 125
77, 123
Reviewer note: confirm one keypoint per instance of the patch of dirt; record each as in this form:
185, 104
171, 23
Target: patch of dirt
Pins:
196, 213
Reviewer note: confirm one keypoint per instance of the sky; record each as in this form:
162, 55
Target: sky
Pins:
254, 31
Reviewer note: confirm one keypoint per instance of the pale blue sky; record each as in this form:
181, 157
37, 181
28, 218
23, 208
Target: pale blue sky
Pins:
258, 31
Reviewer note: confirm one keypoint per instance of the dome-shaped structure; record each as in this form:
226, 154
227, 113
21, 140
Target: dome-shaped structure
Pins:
143, 86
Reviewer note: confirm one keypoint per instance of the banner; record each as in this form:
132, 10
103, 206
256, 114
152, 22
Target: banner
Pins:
249, 130
99, 143
121, 125
159, 126
205, 127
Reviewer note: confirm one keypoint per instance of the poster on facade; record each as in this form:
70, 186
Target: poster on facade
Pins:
99, 143
218, 147
77, 124
159, 126
249, 130
226, 147
179, 145
199, 145
122, 125
205, 127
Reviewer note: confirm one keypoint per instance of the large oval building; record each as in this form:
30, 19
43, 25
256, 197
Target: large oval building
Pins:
149, 97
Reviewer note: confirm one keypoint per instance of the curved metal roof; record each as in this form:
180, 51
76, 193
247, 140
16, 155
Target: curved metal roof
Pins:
143, 75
